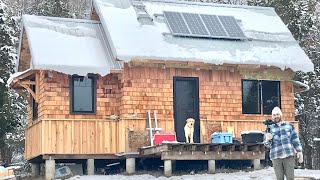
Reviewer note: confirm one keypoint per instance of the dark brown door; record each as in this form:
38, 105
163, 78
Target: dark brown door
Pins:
186, 105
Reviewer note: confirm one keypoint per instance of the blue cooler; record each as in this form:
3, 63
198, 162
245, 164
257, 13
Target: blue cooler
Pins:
221, 138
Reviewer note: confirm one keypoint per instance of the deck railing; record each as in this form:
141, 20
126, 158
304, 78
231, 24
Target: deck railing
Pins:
96, 136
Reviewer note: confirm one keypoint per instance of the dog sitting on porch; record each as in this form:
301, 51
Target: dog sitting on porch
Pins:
189, 130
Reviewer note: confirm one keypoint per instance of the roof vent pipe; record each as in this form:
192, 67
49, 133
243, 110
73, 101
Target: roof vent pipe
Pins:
142, 15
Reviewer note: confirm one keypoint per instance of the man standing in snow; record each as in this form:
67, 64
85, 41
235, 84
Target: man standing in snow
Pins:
283, 142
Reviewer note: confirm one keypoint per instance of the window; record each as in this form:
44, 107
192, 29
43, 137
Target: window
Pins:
250, 97
270, 95
83, 94
34, 104
260, 96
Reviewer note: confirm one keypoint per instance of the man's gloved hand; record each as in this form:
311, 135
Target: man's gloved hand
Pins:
268, 137
300, 157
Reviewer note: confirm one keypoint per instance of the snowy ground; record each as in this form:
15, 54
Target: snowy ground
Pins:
265, 174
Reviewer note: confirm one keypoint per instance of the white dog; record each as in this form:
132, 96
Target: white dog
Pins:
189, 129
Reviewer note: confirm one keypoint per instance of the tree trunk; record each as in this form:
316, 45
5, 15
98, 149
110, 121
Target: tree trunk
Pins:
316, 158
6, 153
308, 156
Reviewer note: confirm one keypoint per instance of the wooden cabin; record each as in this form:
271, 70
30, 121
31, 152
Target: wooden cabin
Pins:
90, 83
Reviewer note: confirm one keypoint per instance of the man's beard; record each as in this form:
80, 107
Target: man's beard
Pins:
276, 120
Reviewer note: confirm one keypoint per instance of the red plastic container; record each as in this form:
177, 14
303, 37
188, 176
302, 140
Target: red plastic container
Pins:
159, 138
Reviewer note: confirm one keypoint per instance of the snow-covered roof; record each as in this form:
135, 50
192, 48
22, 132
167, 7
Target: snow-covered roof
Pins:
69, 46
271, 43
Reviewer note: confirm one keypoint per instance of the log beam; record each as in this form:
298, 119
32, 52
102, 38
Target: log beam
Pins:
211, 155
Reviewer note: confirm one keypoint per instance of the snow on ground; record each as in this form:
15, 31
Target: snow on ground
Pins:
265, 174
2, 169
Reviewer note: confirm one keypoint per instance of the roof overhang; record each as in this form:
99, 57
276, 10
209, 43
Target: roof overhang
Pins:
23, 81
16, 79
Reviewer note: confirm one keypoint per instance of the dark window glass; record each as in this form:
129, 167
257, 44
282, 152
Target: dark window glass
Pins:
270, 95
34, 104
257, 94
83, 94
250, 97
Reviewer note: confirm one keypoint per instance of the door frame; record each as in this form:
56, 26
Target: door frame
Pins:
196, 102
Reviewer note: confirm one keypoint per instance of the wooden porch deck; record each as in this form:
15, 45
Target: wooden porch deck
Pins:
169, 153
197, 151
177, 151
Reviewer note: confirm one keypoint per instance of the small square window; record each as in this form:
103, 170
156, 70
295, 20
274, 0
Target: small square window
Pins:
83, 94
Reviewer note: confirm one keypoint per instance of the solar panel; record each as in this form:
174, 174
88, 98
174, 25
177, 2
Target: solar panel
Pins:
213, 25
195, 24
176, 23
232, 27
203, 25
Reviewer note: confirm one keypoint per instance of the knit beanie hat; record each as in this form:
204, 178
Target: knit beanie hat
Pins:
277, 110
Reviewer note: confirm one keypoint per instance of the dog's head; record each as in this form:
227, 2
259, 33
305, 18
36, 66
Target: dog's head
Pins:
190, 122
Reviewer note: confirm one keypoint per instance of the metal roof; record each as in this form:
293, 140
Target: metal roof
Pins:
269, 40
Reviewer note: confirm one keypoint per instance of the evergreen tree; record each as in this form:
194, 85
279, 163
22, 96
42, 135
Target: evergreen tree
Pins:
308, 103
56, 8
5, 71
80, 9
11, 105
296, 14
53, 8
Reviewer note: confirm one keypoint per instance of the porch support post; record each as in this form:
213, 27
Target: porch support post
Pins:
35, 169
90, 166
168, 168
211, 166
256, 164
50, 169
131, 165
